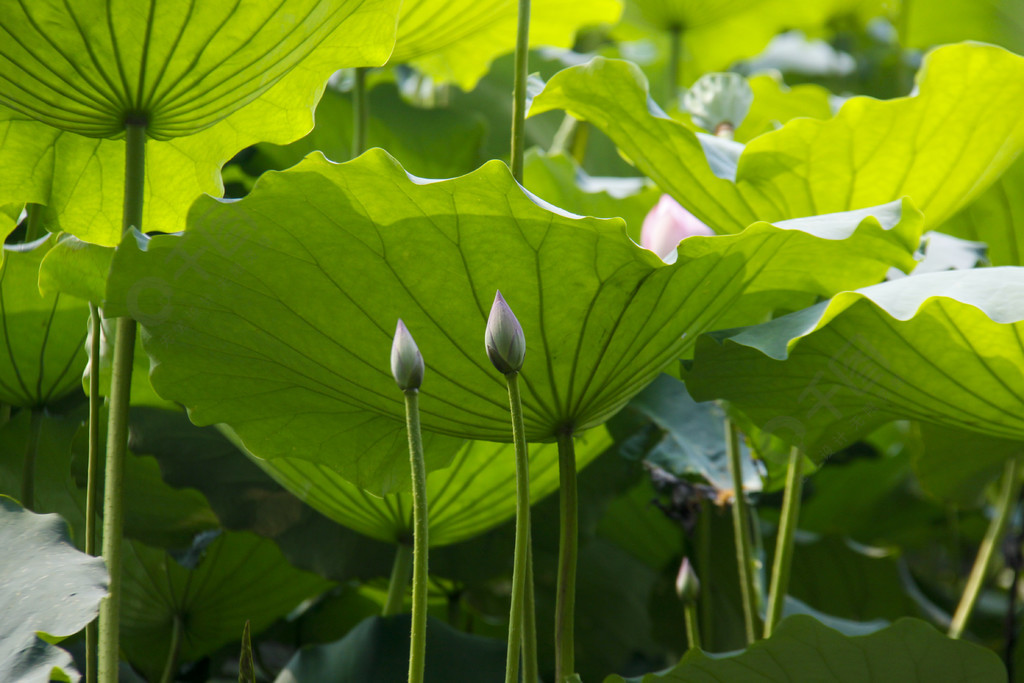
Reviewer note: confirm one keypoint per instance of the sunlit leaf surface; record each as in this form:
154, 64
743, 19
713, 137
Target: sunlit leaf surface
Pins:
286, 339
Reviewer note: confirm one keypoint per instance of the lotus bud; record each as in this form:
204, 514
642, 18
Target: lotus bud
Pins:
406, 361
687, 584
506, 345
667, 225
719, 102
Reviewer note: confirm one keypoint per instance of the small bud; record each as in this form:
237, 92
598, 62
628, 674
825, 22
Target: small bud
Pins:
668, 224
719, 102
687, 584
506, 345
406, 361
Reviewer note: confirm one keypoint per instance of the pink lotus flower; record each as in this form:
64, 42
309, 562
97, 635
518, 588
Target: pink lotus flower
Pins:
667, 225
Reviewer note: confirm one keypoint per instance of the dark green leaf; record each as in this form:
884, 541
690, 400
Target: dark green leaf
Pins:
802, 649
378, 650
239, 577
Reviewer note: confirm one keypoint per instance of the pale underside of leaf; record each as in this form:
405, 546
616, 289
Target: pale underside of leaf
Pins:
943, 348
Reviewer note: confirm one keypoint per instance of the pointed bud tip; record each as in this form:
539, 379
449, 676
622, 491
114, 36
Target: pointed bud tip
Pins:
406, 361
504, 339
687, 584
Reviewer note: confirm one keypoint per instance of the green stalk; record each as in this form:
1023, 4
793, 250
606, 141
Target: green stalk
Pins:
92, 495
400, 571
580, 136
522, 557
784, 542
519, 90
741, 528
993, 536
361, 106
34, 222
171, 666
562, 139
117, 429
28, 472
568, 549
418, 644
675, 58
692, 625
531, 671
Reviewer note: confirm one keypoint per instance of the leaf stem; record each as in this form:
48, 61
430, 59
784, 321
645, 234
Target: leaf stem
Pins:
418, 644
92, 495
692, 625
784, 541
568, 549
400, 572
361, 112
741, 529
28, 472
522, 556
675, 58
171, 666
993, 536
522, 65
117, 429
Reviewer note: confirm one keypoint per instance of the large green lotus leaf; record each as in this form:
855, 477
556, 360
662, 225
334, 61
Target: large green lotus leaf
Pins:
46, 586
42, 350
473, 494
802, 649
996, 218
284, 335
871, 588
234, 577
452, 148
378, 650
941, 347
942, 147
247, 499
156, 512
456, 40
212, 81
945, 473
54, 488
177, 66
924, 24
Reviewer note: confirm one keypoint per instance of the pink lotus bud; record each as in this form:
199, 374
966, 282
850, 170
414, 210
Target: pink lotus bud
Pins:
667, 225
